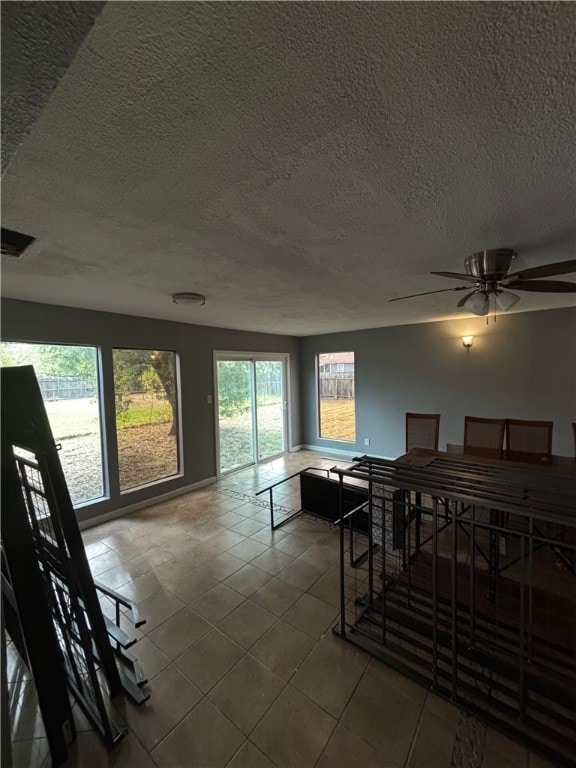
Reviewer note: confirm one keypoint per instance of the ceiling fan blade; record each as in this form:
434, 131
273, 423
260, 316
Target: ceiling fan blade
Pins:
545, 286
465, 299
456, 276
545, 270
426, 293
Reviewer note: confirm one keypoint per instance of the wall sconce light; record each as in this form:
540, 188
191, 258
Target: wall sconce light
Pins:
467, 341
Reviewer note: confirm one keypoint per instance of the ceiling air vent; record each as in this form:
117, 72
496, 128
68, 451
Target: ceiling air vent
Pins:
14, 243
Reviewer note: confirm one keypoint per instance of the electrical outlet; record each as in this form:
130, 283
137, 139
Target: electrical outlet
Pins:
366, 441
209, 399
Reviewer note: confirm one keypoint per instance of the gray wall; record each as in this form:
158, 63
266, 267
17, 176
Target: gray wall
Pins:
521, 366
26, 321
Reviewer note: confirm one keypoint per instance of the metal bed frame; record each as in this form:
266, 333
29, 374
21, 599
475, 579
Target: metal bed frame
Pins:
54, 613
439, 608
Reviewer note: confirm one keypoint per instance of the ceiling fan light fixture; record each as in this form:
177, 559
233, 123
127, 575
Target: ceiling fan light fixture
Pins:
489, 271
195, 299
506, 300
478, 303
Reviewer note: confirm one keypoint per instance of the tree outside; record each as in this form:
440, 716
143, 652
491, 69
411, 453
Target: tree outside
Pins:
51, 359
146, 411
235, 403
146, 415
146, 404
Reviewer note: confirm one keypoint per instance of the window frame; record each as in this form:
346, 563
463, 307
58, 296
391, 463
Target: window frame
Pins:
318, 366
104, 459
179, 437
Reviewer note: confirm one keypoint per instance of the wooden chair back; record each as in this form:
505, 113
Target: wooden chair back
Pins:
422, 430
529, 440
484, 437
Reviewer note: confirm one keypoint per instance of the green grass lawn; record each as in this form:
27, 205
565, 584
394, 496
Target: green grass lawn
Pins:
137, 415
236, 435
72, 418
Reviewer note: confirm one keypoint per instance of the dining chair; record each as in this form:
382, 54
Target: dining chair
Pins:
484, 437
529, 440
422, 430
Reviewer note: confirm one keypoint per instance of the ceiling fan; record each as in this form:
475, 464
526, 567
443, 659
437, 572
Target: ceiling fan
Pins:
490, 273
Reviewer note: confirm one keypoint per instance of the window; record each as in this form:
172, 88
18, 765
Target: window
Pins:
68, 380
146, 400
336, 396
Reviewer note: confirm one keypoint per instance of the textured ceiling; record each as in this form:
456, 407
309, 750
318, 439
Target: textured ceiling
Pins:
39, 41
297, 163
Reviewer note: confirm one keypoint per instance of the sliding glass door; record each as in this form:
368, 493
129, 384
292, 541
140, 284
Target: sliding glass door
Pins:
270, 407
235, 413
251, 409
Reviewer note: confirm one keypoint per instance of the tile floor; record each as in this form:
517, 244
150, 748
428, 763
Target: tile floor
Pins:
243, 668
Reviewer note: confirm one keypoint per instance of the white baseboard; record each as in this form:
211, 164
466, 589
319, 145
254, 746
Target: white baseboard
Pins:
328, 451
122, 511
346, 454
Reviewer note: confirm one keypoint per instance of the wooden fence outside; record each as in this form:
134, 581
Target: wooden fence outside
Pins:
65, 387
339, 386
